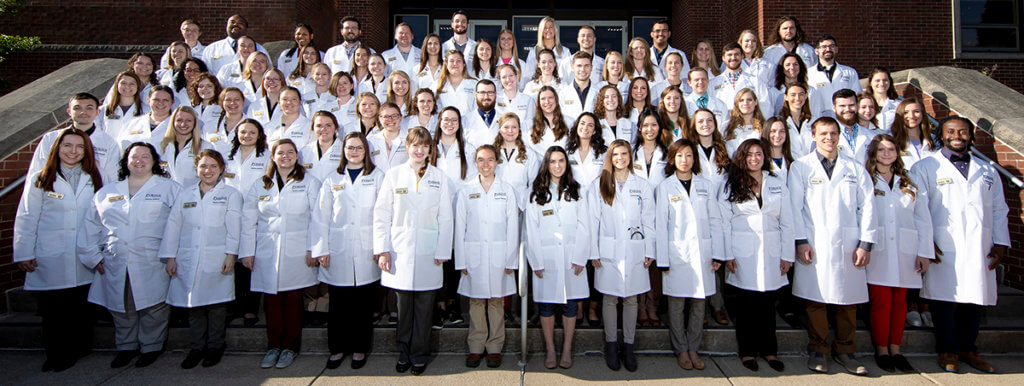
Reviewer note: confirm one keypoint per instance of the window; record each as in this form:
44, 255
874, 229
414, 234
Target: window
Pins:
987, 27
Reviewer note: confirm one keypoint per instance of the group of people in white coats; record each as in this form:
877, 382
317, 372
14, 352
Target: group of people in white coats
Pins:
426, 170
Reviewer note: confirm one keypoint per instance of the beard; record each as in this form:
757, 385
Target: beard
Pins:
966, 145
485, 105
459, 30
846, 121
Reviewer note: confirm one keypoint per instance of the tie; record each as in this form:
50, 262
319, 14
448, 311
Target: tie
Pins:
702, 102
234, 45
959, 158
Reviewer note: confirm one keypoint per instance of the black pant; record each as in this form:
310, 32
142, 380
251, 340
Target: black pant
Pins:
415, 309
956, 326
450, 291
67, 322
246, 301
207, 326
755, 321
350, 318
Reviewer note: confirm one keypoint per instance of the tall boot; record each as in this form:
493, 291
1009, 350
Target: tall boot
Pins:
628, 357
611, 355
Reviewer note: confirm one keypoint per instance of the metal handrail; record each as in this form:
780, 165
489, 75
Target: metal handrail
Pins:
1009, 176
13, 185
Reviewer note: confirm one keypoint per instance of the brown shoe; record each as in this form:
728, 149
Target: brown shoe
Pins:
493, 360
473, 360
684, 361
698, 364
948, 362
973, 359
721, 318
565, 362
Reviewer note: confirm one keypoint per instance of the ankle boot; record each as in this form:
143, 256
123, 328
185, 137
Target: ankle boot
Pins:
628, 357
611, 355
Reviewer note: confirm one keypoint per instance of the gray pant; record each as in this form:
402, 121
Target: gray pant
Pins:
685, 328
610, 315
134, 328
716, 301
206, 326
415, 309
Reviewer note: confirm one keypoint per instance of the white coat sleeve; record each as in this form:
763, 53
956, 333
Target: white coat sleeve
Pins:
647, 218
532, 224
324, 209
786, 223
445, 223
1000, 211
866, 205
796, 198
90, 236
233, 224
716, 226
460, 231
172, 231
382, 212
585, 226
316, 223
661, 239
26, 221
725, 211
250, 214
590, 218
511, 230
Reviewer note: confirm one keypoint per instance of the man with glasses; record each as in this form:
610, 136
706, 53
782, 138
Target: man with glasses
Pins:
481, 124
190, 31
222, 52
339, 58
826, 76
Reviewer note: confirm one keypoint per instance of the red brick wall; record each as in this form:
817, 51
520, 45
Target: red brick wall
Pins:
373, 18
11, 168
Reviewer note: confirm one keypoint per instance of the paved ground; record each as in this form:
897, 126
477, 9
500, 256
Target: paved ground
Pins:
22, 368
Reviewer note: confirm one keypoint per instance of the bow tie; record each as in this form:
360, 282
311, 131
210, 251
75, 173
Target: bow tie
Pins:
959, 158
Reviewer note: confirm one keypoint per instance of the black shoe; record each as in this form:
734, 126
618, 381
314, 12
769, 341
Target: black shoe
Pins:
213, 356
776, 364
147, 358
192, 359
402, 367
454, 318
418, 369
628, 357
438, 321
901, 364
250, 322
750, 364
359, 363
334, 363
884, 362
123, 358
64, 364
48, 365
594, 323
611, 355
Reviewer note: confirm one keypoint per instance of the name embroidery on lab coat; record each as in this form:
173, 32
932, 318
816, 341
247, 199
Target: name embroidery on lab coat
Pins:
59, 196
549, 212
500, 196
307, 166
153, 197
988, 181
775, 190
434, 184
220, 200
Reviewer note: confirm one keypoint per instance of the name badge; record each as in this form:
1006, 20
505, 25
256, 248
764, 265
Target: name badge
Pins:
307, 166
338, 187
879, 192
401, 191
215, 138
474, 196
259, 113
163, 164
229, 175
637, 167
134, 132
819, 85
501, 104
841, 147
115, 117
817, 181
59, 196
264, 198
442, 92
234, 75
189, 205
674, 198
944, 181
549, 212
904, 153
573, 162
333, 109
287, 60
215, 57
115, 198
718, 86
569, 102
337, 61
392, 59
374, 153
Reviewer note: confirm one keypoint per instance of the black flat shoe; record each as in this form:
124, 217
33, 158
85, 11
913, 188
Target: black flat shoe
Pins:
359, 363
213, 357
123, 358
192, 359
147, 359
750, 364
250, 322
62, 365
418, 369
334, 363
885, 362
901, 364
776, 364
402, 367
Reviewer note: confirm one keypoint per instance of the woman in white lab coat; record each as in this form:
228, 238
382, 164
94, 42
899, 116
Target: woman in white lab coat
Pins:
714, 158
689, 236
509, 99
486, 253
149, 127
399, 91
344, 106
423, 112
757, 216
650, 148
745, 120
247, 161
251, 81
120, 240
902, 253
345, 252
221, 130
912, 132
266, 104
517, 164
556, 219
280, 223
549, 126
454, 153
796, 112
777, 146
204, 92
52, 208
387, 144
455, 87
484, 65
431, 61
290, 123
367, 109
123, 103
638, 99
672, 110
544, 74
412, 236
318, 95
548, 38
586, 145
180, 145
609, 109
883, 89
376, 80
622, 221
323, 154
200, 245
638, 63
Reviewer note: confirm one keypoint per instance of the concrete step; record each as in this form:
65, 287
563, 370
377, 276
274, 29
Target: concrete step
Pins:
22, 330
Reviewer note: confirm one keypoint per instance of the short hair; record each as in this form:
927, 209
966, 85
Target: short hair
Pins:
85, 95
583, 55
193, 22
244, 20
951, 118
843, 94
459, 12
731, 46
485, 82
824, 121
352, 19
827, 37
662, 21
587, 26
697, 69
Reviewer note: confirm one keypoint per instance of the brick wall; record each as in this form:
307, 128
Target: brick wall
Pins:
11, 168
373, 19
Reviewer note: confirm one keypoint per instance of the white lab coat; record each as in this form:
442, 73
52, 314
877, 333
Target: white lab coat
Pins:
181, 165
624, 236
462, 97
801, 142
523, 105
774, 52
915, 153
557, 238
313, 102
448, 162
969, 216
396, 61
905, 232
561, 55
201, 231
717, 107
348, 229
207, 113
661, 63
708, 168
821, 97
858, 150
46, 229
219, 135
565, 69
414, 120
137, 130
338, 59
742, 133
887, 114
370, 85
220, 53
242, 173
424, 78
321, 166
833, 215
519, 174
624, 129
384, 158
279, 228
659, 87
345, 114
586, 167
761, 237
230, 75
476, 129
720, 88
547, 139
124, 232
657, 170
689, 236
115, 123
300, 131
570, 101
532, 87
486, 239
413, 220
105, 149
260, 110
468, 52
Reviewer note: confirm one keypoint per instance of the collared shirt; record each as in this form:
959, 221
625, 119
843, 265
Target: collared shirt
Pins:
702, 102
851, 134
828, 164
962, 162
658, 54
581, 93
733, 77
827, 70
488, 116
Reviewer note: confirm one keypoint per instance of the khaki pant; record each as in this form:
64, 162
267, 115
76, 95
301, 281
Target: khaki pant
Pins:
486, 325
817, 327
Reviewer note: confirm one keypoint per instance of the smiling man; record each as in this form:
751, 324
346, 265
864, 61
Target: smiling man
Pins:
222, 52
403, 56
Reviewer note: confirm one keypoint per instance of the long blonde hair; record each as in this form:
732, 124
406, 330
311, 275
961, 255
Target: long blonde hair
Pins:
540, 39
736, 117
407, 105
197, 135
607, 184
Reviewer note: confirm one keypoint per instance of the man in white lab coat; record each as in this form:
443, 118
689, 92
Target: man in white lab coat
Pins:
403, 56
461, 41
83, 109
587, 38
339, 57
481, 124
969, 219
661, 31
222, 52
788, 36
826, 76
726, 85
700, 98
834, 231
580, 94
854, 139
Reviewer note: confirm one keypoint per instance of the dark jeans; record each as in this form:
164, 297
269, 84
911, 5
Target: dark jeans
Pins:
956, 326
415, 309
754, 312
350, 318
67, 322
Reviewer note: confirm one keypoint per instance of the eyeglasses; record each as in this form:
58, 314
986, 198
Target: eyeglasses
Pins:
390, 116
353, 148
486, 92
450, 120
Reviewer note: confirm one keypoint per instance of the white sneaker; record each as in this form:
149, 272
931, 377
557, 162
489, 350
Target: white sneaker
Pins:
914, 319
926, 319
270, 359
287, 356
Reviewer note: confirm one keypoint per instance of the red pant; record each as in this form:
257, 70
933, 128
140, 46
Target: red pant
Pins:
888, 314
284, 319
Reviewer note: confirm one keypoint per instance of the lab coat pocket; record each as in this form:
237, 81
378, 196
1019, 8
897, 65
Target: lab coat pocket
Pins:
773, 245
211, 260
426, 242
635, 252
606, 249
705, 249
148, 211
49, 246
908, 242
744, 245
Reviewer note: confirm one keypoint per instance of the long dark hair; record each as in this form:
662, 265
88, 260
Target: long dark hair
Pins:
906, 185
891, 91
805, 110
899, 126
675, 148
739, 183
368, 165
179, 77
776, 37
628, 104
661, 140
721, 153
558, 126
787, 154
122, 170
459, 138
152, 80
567, 188
51, 169
492, 66
596, 141
298, 172
111, 108
780, 72
261, 139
